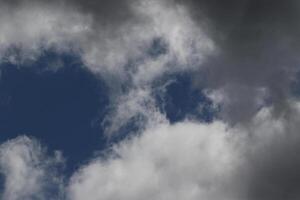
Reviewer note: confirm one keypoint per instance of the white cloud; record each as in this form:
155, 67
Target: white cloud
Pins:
34, 27
106, 48
28, 172
182, 161
191, 160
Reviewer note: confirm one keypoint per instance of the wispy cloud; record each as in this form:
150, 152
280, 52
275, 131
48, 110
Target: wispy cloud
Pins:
28, 172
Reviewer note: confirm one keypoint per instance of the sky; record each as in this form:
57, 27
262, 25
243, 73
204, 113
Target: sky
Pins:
149, 99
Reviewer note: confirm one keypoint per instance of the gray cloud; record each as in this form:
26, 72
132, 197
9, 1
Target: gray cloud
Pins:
258, 48
104, 10
270, 170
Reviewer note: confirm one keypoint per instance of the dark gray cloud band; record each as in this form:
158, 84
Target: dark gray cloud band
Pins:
258, 44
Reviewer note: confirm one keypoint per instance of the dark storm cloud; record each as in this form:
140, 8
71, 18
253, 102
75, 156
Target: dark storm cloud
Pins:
258, 44
275, 173
273, 168
110, 10
104, 12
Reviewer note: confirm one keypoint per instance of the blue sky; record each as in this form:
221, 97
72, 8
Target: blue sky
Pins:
54, 105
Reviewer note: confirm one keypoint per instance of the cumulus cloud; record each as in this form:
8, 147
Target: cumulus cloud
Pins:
190, 161
184, 161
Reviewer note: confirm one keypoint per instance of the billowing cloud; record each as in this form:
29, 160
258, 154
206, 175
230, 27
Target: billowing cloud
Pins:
198, 161
184, 161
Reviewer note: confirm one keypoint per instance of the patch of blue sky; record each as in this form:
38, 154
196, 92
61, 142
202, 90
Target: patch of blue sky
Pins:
182, 100
55, 106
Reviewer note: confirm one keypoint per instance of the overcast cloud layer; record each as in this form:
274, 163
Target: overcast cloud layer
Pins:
247, 50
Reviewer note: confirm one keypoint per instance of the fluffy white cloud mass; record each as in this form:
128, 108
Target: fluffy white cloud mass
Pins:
193, 161
184, 161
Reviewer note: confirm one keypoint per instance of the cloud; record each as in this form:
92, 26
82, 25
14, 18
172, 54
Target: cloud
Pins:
28, 173
136, 103
182, 161
247, 51
272, 161
247, 46
27, 29
257, 42
191, 160
113, 40
188, 160
108, 34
